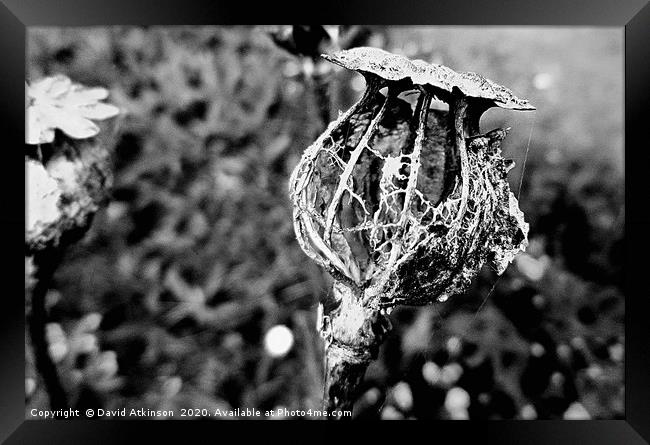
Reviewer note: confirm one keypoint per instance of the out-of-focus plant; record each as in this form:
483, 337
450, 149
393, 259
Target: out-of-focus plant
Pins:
55, 102
69, 174
88, 374
307, 43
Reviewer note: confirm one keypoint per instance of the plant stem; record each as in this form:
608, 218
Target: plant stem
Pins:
45, 263
354, 330
321, 85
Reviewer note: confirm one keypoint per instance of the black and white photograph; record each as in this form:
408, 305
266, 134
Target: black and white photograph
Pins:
325, 222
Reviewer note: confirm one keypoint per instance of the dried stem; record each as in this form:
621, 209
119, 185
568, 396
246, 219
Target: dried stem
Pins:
45, 264
353, 333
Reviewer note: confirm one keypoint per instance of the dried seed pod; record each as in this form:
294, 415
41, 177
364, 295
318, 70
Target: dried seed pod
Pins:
69, 173
403, 204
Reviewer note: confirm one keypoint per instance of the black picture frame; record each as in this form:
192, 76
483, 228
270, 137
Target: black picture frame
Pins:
633, 15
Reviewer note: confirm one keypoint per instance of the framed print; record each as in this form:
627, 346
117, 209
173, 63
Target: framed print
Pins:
439, 217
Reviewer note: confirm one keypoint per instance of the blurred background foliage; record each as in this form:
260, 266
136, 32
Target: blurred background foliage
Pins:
167, 301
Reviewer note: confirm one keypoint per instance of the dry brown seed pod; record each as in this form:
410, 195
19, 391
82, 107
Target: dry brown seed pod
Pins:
402, 203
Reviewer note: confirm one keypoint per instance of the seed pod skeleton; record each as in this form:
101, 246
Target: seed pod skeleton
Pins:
401, 204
